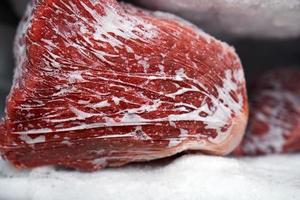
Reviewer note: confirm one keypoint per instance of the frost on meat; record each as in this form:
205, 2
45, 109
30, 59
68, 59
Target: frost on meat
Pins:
99, 83
274, 124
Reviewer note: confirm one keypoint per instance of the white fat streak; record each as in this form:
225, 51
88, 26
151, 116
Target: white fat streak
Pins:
52, 57
115, 136
49, 44
183, 91
125, 27
144, 108
80, 115
83, 126
216, 118
83, 29
83, 102
129, 49
62, 120
101, 104
180, 76
162, 69
35, 131
62, 91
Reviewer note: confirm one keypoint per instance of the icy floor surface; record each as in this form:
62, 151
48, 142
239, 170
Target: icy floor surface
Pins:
190, 177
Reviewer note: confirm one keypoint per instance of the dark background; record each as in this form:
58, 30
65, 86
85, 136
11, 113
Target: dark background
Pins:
257, 55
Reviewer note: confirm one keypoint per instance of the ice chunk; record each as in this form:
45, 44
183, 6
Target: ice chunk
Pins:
255, 18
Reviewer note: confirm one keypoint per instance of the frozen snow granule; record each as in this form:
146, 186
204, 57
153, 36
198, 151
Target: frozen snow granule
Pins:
190, 177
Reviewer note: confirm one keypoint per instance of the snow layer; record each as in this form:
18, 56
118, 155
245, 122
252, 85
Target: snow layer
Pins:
189, 177
255, 18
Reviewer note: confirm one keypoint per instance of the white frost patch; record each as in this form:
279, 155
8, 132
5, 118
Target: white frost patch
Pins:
176, 141
75, 76
66, 142
139, 134
132, 119
274, 138
189, 177
80, 115
144, 63
99, 162
116, 100
35, 131
162, 69
101, 104
29, 140
180, 75
62, 91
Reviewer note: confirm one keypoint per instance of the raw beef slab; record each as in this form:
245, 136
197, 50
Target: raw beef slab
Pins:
274, 123
99, 84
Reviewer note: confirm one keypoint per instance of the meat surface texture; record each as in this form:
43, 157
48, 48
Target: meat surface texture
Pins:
274, 123
102, 83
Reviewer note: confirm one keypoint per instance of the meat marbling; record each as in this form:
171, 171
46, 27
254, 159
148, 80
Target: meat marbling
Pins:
274, 123
102, 83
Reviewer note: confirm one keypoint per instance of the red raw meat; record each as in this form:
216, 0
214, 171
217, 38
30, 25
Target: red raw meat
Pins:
102, 83
274, 123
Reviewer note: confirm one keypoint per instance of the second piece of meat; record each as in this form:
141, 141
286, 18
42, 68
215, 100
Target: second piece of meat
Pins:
274, 123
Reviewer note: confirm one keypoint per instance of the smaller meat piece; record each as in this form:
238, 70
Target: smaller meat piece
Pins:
274, 124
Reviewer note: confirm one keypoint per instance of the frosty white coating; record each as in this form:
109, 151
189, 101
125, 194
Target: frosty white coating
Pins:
274, 139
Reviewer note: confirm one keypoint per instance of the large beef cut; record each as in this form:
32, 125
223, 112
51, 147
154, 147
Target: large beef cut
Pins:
274, 124
102, 83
